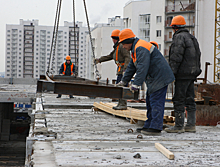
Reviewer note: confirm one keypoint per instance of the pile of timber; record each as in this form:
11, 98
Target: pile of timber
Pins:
132, 113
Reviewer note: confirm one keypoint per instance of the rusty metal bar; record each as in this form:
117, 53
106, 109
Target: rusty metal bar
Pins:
85, 89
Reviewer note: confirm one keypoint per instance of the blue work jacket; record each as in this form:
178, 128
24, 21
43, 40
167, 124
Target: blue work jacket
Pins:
149, 65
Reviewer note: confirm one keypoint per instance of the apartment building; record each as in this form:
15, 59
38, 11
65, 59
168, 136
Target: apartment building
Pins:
150, 20
145, 18
28, 47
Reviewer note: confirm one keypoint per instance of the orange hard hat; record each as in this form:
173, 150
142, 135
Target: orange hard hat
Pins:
155, 44
68, 57
126, 34
178, 20
115, 33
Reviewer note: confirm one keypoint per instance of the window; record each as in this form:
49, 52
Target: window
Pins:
8, 30
170, 34
37, 31
159, 19
158, 33
19, 61
19, 57
19, 70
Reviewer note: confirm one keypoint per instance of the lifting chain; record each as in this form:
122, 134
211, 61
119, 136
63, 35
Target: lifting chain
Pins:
97, 75
50, 67
54, 40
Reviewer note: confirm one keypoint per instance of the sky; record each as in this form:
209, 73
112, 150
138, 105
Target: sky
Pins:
11, 11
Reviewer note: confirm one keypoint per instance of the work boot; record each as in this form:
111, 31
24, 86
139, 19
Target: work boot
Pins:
191, 129
122, 105
71, 96
59, 96
191, 122
140, 129
151, 131
179, 124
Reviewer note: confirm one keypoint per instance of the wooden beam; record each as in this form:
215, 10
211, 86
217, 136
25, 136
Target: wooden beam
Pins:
164, 151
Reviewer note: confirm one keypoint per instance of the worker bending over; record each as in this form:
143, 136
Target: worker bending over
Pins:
122, 58
150, 66
67, 68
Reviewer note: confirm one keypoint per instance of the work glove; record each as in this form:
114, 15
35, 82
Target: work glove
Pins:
96, 61
61, 74
134, 88
121, 83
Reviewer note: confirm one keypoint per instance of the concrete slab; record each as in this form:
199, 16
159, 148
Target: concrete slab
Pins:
81, 137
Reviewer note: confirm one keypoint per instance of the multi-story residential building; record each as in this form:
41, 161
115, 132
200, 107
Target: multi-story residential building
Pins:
102, 45
28, 47
150, 20
145, 18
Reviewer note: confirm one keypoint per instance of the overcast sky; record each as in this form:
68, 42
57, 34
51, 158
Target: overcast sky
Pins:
11, 11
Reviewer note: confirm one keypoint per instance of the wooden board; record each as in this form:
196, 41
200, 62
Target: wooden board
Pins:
132, 113
129, 113
165, 151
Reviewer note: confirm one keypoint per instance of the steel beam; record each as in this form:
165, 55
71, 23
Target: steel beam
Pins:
86, 88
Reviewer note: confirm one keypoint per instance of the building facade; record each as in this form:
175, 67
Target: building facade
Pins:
150, 20
28, 47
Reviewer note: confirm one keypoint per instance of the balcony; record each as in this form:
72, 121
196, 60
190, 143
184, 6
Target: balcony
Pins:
180, 8
28, 28
28, 63
28, 41
28, 50
189, 22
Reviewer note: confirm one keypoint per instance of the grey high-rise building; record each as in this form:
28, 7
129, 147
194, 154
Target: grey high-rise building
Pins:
28, 47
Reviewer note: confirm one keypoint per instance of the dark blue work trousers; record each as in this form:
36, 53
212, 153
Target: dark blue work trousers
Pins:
155, 109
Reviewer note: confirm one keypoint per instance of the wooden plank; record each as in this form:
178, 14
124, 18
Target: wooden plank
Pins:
164, 151
129, 113
132, 113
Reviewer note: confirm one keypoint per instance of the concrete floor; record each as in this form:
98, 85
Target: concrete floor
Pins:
63, 136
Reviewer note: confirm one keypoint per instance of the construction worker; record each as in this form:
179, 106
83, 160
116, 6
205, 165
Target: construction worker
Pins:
150, 66
184, 60
122, 58
67, 68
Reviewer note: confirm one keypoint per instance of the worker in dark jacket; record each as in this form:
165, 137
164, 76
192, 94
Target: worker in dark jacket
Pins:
121, 57
150, 66
184, 60
67, 68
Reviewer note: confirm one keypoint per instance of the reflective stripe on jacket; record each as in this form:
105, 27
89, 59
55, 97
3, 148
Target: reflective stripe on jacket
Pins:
149, 65
116, 60
71, 67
